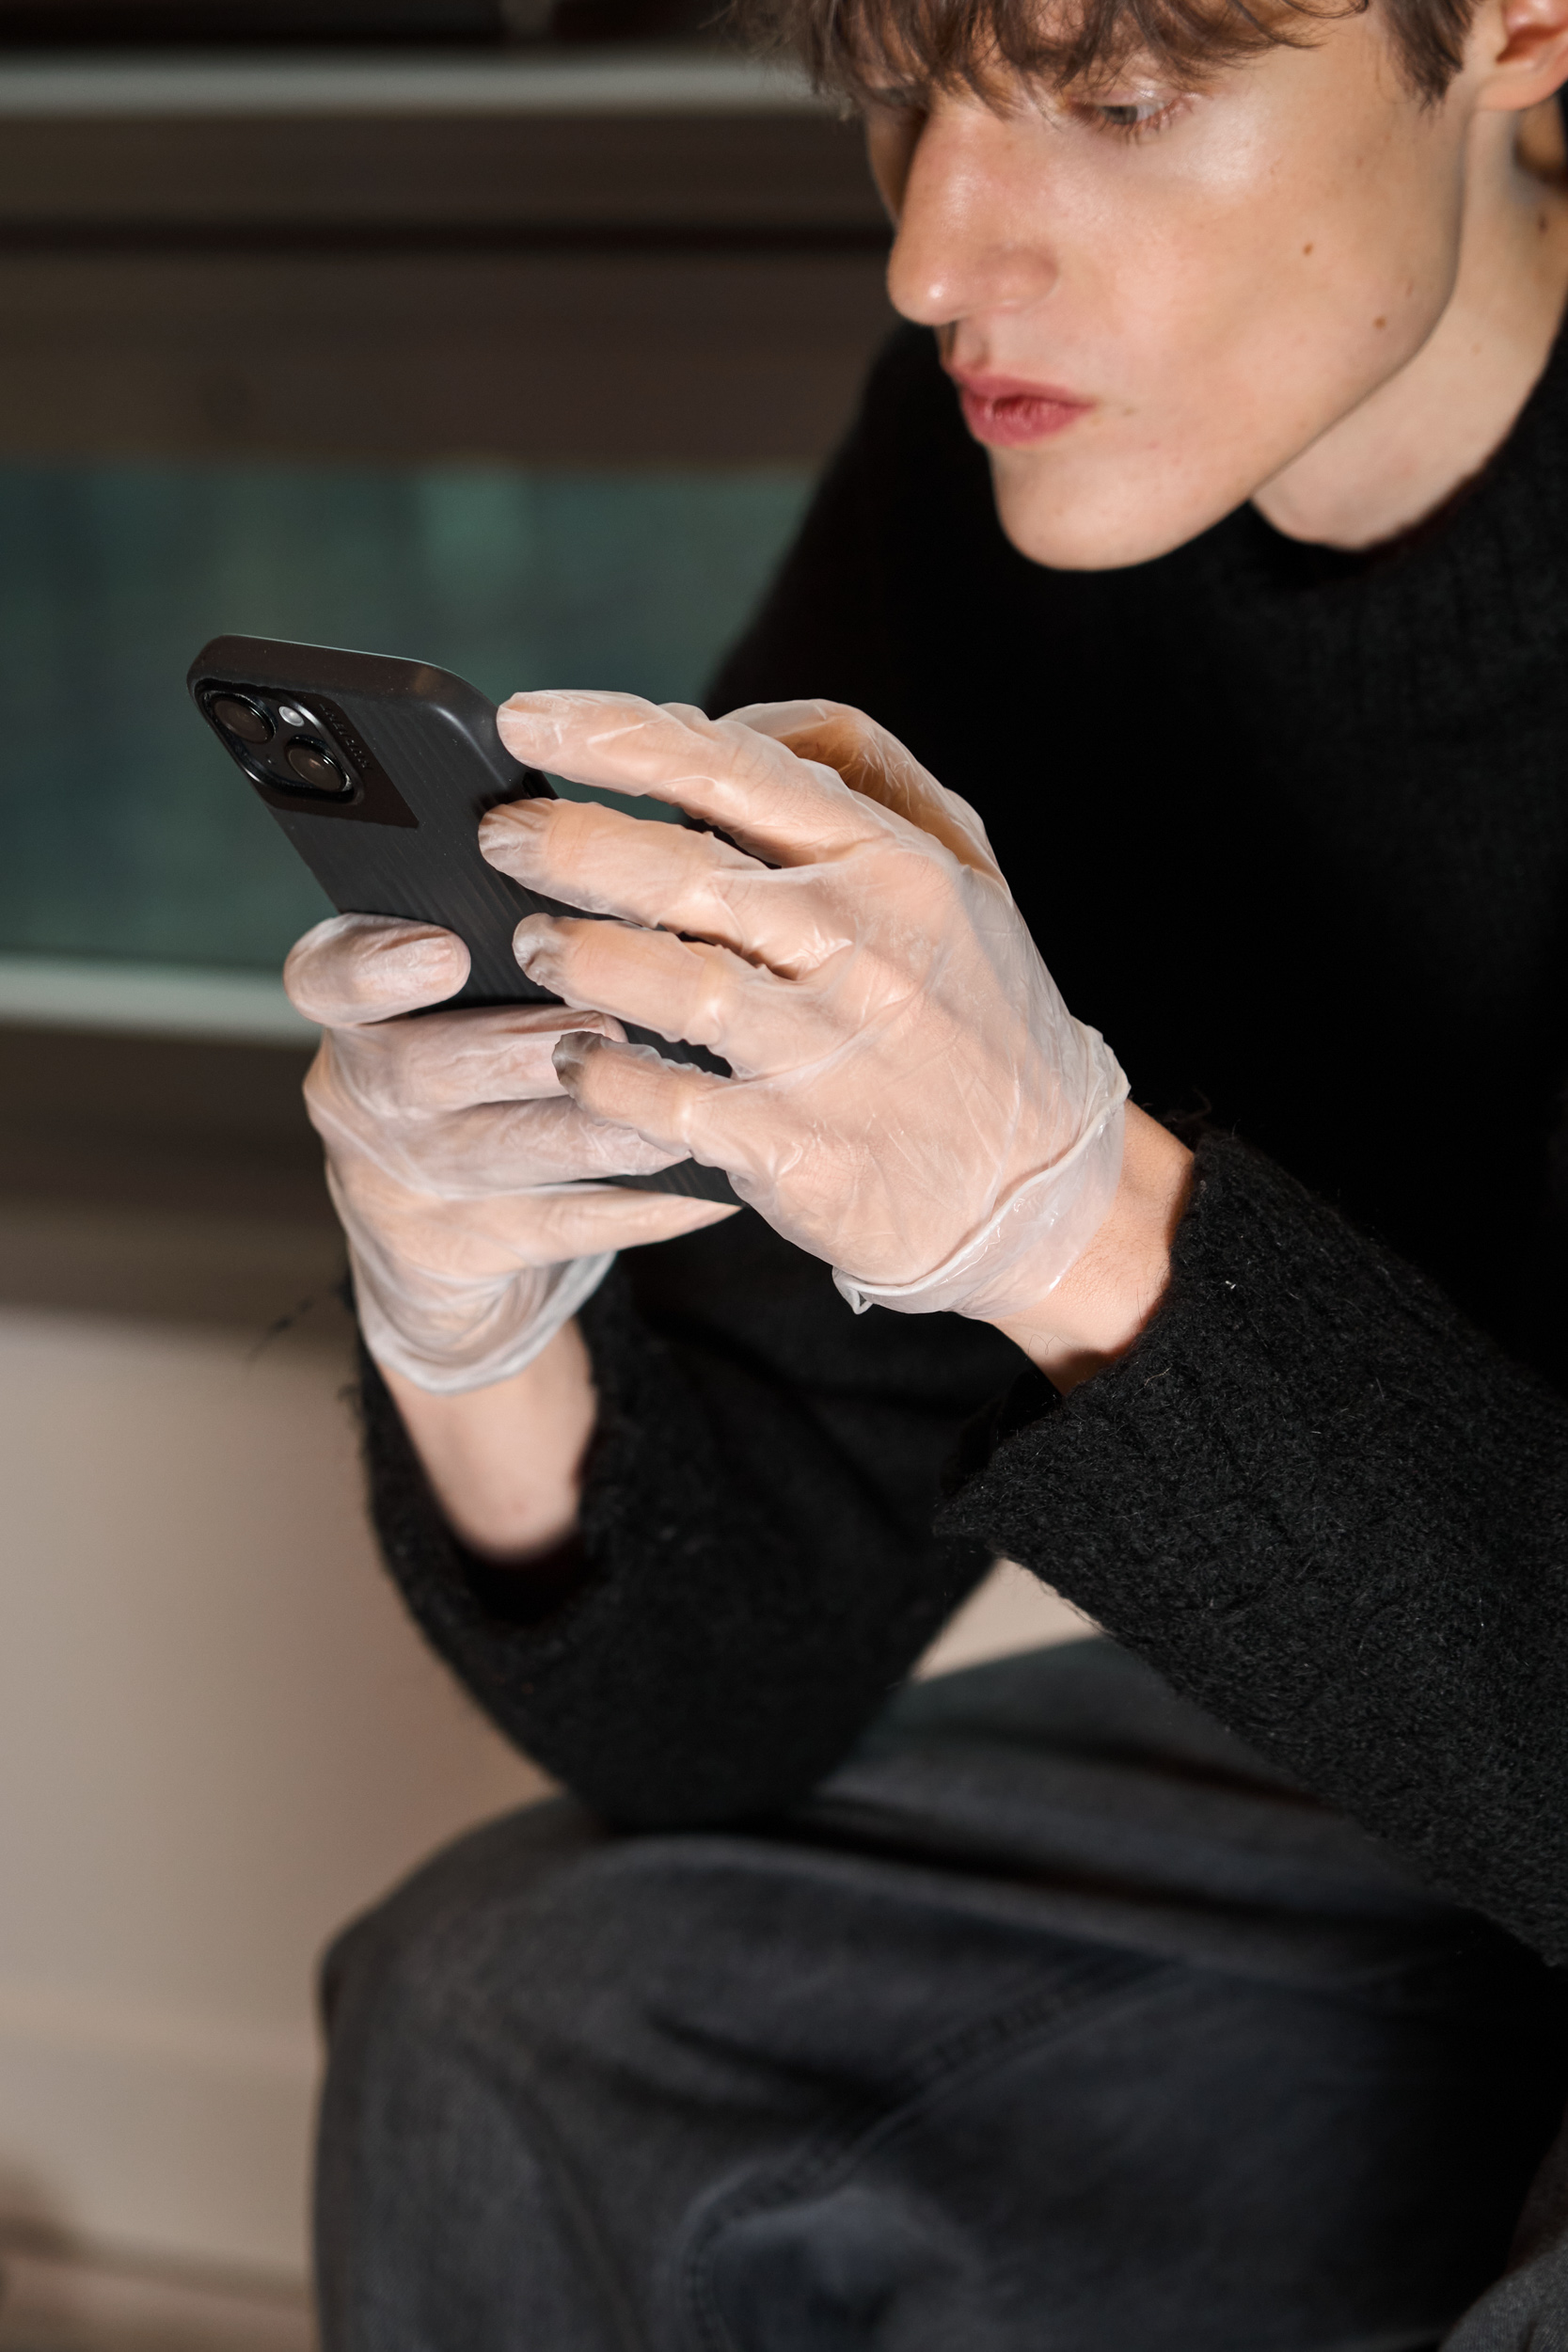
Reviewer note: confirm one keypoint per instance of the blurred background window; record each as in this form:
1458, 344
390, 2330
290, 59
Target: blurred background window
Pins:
127, 832
461, 329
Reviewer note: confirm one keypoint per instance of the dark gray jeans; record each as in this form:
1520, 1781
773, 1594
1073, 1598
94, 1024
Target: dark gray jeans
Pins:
1055, 2023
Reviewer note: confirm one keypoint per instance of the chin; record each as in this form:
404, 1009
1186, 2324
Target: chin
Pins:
1130, 517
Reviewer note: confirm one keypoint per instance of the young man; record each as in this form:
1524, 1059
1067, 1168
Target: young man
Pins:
1214, 549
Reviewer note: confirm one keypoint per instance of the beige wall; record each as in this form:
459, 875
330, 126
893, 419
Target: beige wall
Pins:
218, 1737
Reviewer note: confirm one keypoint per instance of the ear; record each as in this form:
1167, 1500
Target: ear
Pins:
1521, 47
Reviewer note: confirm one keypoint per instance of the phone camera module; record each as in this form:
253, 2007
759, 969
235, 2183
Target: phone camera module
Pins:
246, 720
315, 766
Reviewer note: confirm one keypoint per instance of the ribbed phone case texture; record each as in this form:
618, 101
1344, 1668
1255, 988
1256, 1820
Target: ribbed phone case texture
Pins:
435, 737
433, 873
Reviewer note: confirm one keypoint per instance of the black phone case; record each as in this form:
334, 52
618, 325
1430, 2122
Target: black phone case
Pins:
425, 761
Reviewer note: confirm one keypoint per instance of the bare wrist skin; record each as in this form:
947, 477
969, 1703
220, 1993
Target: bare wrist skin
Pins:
1102, 1303
506, 1462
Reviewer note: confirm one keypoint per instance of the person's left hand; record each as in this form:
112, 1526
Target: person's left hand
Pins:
912, 1100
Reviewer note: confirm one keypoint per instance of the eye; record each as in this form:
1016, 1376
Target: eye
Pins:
1137, 117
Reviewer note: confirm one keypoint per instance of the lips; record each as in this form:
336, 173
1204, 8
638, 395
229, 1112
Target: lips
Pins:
1004, 412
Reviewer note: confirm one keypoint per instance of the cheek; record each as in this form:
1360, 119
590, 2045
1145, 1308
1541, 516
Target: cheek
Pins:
1254, 310
1253, 273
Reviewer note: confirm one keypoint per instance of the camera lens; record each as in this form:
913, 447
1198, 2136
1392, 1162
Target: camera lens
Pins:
242, 719
314, 765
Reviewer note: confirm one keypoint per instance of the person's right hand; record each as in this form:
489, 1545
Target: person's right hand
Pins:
454, 1156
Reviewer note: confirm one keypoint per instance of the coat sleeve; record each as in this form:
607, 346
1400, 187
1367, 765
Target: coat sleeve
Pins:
1334, 1513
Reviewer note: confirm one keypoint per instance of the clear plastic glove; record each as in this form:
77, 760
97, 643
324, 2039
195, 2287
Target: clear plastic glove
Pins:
912, 1100
453, 1154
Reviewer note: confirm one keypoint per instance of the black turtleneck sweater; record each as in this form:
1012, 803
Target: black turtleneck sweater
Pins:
1292, 829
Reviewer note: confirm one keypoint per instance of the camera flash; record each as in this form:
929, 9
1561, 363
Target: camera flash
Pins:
292, 718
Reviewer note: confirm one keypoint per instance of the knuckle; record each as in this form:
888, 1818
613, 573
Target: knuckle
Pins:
839, 737
610, 1148
414, 1067
361, 1187
321, 1086
710, 990
851, 728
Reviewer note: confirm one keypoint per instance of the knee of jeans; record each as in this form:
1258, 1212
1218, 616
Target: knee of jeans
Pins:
417, 1961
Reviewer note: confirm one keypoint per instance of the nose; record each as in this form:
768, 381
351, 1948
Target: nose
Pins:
971, 235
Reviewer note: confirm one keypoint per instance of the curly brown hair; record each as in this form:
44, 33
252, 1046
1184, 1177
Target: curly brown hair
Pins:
851, 47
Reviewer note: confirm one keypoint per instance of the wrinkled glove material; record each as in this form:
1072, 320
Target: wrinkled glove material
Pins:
449, 1333
910, 1099
461, 1172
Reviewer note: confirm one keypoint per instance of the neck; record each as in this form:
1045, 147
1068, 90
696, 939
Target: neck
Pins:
1408, 447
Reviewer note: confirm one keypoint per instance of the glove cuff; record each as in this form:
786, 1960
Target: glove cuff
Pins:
504, 1330
1030, 1241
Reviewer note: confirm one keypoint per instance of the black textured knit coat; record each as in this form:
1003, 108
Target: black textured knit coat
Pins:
1291, 828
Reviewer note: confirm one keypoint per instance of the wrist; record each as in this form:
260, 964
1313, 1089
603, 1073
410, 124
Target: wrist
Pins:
1107, 1296
506, 1462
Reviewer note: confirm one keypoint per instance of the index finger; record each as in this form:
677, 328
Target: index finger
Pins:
788, 810
874, 762
358, 968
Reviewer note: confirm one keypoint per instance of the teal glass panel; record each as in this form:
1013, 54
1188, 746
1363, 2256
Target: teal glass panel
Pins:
127, 834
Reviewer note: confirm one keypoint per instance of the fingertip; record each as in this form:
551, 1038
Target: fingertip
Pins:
370, 967
574, 1049
651, 1224
714, 1212
665, 1216
431, 963
531, 943
507, 830
305, 952
517, 713
528, 729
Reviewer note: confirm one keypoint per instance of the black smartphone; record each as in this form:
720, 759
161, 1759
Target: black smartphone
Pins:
379, 771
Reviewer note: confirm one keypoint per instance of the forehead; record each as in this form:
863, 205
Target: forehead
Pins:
1008, 51
856, 47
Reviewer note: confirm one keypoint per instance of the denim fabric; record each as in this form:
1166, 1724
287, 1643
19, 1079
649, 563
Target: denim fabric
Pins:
1054, 2022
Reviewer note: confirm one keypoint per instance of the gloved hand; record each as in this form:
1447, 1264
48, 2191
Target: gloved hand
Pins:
912, 1100
450, 1154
